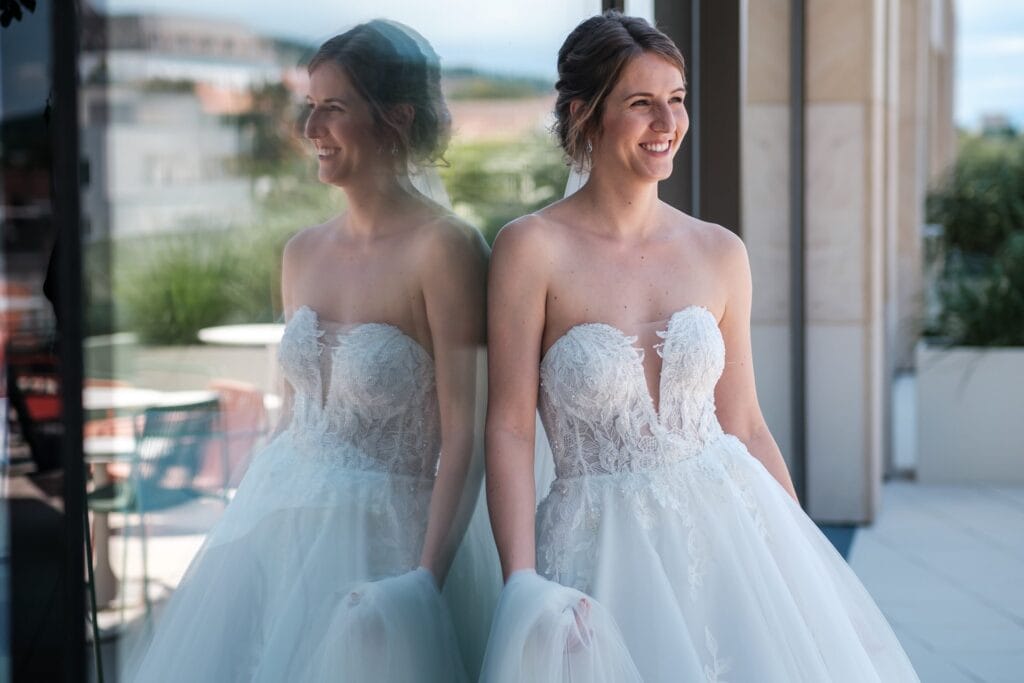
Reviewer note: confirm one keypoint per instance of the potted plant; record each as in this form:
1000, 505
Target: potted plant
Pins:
970, 363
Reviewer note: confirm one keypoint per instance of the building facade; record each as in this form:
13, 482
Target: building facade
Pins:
818, 127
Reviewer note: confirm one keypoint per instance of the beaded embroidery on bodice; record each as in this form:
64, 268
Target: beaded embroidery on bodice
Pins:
596, 406
364, 397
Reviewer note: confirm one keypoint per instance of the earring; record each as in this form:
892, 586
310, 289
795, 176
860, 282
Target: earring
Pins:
394, 149
590, 147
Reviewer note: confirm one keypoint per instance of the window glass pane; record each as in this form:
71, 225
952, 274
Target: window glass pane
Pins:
32, 521
202, 165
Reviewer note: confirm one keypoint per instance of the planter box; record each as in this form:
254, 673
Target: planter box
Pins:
970, 407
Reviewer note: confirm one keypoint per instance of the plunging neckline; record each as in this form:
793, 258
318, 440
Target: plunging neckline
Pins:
630, 340
350, 328
326, 375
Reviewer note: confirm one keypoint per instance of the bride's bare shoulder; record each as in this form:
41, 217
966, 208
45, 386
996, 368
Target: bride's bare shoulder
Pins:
710, 240
447, 239
535, 236
306, 241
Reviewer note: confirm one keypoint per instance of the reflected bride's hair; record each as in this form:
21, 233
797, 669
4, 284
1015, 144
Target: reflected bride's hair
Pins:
390, 65
589, 63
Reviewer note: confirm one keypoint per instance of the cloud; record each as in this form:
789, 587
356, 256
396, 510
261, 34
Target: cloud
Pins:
996, 46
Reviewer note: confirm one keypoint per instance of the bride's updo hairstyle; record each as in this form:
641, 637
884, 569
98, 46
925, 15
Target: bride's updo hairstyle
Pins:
390, 64
589, 63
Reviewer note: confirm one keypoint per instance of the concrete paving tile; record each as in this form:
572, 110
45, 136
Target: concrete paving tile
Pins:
1009, 597
959, 564
1011, 494
945, 565
995, 667
931, 667
968, 638
888, 574
946, 613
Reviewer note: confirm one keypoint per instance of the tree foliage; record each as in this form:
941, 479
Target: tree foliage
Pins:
980, 206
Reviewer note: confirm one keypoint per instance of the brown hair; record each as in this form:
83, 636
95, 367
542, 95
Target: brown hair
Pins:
589, 64
390, 64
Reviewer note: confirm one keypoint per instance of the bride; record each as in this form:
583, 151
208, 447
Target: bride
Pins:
671, 543
327, 563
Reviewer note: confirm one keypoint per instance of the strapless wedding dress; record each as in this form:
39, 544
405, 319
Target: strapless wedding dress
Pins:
699, 564
309, 575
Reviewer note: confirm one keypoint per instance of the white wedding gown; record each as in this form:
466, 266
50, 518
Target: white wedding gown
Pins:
308, 576
701, 566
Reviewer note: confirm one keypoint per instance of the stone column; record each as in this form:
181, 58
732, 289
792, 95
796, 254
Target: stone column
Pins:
941, 59
765, 205
845, 248
911, 177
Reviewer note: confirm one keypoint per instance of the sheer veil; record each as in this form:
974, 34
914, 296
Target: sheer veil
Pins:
543, 459
474, 580
427, 181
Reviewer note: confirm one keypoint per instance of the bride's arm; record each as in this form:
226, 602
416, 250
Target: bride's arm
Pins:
454, 274
289, 266
736, 395
517, 293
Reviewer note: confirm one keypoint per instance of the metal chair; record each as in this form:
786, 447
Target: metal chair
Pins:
169, 449
244, 425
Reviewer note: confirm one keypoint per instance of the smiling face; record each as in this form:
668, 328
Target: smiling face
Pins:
643, 120
342, 129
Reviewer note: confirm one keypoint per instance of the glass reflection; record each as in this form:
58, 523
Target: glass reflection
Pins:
199, 174
32, 516
332, 551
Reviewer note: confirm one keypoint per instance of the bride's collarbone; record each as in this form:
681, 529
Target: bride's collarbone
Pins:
641, 315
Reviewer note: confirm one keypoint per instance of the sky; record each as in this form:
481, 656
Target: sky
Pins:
989, 61
522, 36
517, 36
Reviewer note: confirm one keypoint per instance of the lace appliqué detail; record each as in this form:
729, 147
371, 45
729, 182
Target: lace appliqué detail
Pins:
714, 670
569, 519
609, 442
379, 411
596, 406
740, 476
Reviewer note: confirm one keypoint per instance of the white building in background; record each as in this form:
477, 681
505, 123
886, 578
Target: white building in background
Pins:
156, 94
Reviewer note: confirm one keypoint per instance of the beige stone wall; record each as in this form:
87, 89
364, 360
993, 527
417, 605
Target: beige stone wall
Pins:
941, 130
765, 210
966, 397
847, 111
911, 177
878, 127
925, 148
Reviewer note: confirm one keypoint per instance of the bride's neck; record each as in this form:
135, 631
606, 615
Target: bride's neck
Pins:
373, 205
623, 209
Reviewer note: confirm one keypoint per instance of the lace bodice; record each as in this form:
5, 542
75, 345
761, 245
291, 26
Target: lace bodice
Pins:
364, 397
596, 407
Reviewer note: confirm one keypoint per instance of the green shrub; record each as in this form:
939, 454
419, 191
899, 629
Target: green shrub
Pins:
173, 286
980, 203
167, 288
980, 284
494, 182
985, 309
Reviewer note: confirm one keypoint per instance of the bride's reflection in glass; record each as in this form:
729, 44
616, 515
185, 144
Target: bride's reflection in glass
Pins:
327, 564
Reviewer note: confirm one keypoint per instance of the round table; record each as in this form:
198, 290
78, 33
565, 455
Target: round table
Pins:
138, 398
256, 334
253, 334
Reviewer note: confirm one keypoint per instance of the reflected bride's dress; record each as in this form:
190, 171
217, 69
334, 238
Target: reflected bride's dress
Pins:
310, 574
701, 565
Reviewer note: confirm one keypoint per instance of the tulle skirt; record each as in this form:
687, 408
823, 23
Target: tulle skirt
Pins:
310, 575
708, 570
